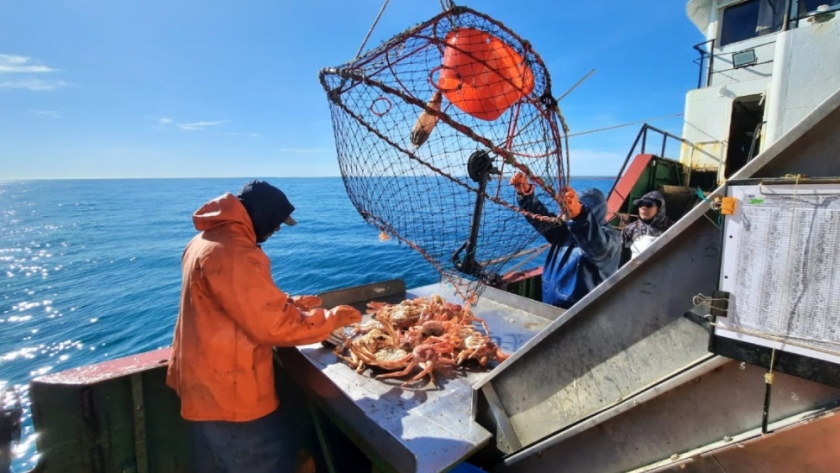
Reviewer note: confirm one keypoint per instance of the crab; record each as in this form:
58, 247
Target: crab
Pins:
427, 357
422, 333
376, 347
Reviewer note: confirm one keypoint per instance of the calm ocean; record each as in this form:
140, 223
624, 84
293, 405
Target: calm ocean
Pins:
90, 269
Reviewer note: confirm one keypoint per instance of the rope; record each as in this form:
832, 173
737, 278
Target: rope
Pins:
576, 84
769, 376
370, 31
613, 127
714, 205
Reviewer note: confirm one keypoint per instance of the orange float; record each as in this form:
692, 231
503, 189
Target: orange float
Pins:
481, 74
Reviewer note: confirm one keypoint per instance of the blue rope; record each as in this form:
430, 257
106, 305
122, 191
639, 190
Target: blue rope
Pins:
720, 215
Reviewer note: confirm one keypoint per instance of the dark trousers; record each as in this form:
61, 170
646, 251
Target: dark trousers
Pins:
255, 446
6, 458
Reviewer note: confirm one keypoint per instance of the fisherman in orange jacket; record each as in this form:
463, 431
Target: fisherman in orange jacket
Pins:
231, 315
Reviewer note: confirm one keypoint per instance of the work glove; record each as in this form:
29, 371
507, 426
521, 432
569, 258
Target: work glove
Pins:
344, 315
341, 316
305, 303
520, 183
572, 203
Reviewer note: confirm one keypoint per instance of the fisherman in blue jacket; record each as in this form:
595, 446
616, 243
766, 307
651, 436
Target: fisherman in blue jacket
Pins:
585, 250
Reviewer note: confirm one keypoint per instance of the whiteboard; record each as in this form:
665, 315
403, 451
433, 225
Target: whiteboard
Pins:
782, 269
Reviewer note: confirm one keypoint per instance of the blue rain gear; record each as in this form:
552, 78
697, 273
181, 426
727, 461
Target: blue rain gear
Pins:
584, 251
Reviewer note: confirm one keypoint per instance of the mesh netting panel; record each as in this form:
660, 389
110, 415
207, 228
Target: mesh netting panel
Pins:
429, 128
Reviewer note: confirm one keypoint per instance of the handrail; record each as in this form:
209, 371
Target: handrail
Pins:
706, 48
806, 15
642, 137
707, 51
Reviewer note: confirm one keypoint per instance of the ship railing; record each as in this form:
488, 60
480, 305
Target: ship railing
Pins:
791, 19
817, 15
642, 142
705, 62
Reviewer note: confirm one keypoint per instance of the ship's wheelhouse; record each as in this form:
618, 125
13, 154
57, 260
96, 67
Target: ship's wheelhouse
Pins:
764, 63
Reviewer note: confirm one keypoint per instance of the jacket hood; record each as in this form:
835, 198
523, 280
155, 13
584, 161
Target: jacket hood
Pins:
595, 201
661, 216
267, 206
223, 210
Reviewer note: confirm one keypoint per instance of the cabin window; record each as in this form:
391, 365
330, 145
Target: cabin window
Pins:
807, 6
749, 19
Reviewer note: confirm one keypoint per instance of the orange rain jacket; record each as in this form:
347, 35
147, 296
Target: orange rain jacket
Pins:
231, 316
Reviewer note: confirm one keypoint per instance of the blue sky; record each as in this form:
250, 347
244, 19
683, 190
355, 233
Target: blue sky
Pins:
187, 88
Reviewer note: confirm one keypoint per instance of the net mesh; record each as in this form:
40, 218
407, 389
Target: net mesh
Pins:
430, 126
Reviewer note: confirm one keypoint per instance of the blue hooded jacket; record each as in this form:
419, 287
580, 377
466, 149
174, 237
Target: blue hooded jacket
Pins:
584, 251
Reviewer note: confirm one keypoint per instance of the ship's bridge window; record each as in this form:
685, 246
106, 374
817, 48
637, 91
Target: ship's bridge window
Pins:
751, 18
807, 6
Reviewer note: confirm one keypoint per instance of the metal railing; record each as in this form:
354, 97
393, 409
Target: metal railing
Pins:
642, 139
707, 58
833, 9
791, 19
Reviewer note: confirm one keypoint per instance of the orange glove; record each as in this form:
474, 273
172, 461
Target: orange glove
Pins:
572, 203
344, 315
520, 183
306, 302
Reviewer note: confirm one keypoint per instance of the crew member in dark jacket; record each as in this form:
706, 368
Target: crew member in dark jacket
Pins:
585, 250
652, 222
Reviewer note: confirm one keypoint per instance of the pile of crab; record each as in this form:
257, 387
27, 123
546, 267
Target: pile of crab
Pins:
422, 334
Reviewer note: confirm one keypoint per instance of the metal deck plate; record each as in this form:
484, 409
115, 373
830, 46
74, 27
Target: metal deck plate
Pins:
417, 429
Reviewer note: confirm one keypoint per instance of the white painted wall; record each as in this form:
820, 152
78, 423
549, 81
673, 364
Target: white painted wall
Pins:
806, 72
707, 115
765, 49
802, 70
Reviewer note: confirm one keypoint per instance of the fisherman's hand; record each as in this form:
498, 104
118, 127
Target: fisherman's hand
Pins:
345, 315
520, 183
572, 203
306, 302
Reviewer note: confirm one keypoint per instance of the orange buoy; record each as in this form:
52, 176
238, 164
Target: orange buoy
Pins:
481, 74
